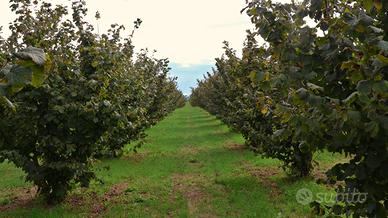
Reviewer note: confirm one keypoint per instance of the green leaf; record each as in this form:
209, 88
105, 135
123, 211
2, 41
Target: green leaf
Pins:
367, 20
352, 98
364, 87
59, 109
316, 5
18, 77
264, 110
4, 100
314, 87
348, 65
5, 71
3, 89
315, 100
337, 209
383, 122
354, 116
360, 28
278, 133
368, 4
382, 58
31, 53
376, 30
383, 45
94, 64
253, 11
302, 93
380, 87
252, 76
259, 76
372, 128
38, 73
28, 70
378, 5
373, 160
304, 147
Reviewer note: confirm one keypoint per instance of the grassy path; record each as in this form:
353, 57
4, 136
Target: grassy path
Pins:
191, 166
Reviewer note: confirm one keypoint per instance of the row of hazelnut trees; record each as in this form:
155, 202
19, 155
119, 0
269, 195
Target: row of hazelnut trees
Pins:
68, 95
318, 83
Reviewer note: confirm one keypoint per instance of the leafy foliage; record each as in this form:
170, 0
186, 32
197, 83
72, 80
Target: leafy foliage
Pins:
30, 69
96, 97
320, 85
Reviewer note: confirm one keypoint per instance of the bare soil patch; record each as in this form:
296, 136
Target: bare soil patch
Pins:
319, 174
191, 187
137, 157
20, 198
235, 147
189, 150
95, 203
99, 203
76, 200
264, 174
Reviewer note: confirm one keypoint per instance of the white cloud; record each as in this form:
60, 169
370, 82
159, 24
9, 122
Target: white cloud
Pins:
188, 32
185, 31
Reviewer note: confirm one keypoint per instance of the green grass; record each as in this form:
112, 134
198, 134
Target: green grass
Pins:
11, 177
189, 166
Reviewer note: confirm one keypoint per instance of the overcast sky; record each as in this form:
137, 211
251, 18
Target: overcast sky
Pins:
188, 32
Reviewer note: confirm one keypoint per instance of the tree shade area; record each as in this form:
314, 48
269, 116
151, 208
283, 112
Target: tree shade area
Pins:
295, 126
